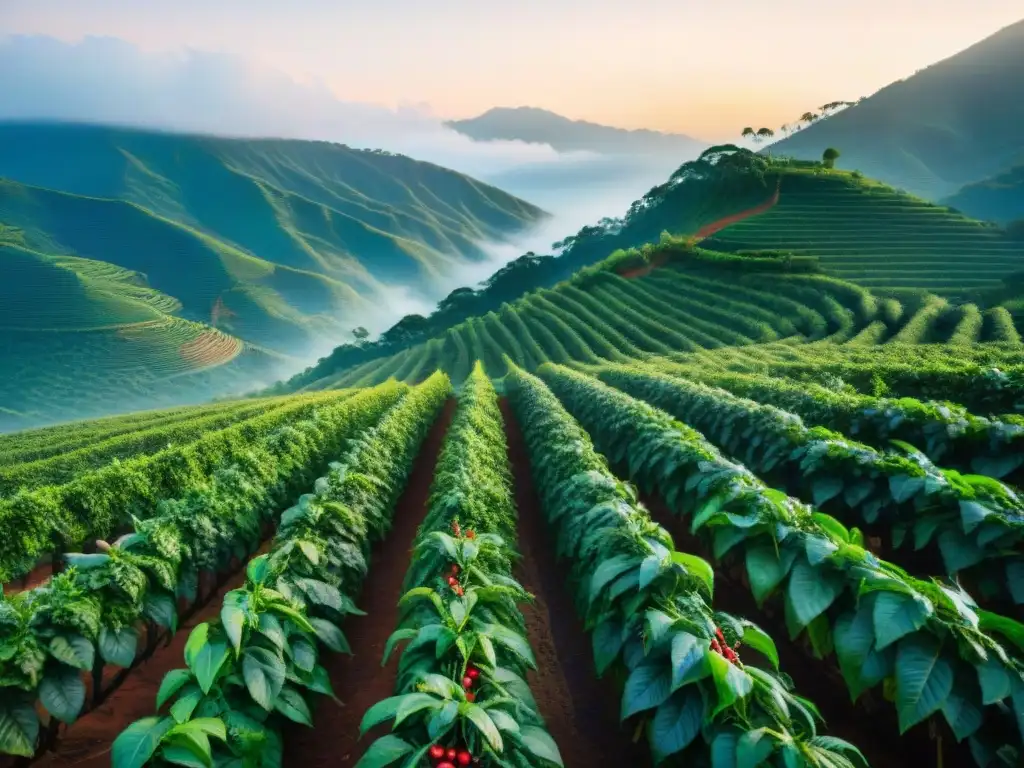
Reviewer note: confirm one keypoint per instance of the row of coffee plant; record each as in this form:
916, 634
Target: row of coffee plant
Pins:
648, 609
258, 665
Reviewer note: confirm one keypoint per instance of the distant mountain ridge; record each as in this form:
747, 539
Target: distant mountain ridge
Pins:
540, 126
999, 199
954, 123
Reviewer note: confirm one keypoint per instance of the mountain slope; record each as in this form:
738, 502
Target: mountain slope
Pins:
999, 199
130, 259
358, 216
954, 123
539, 126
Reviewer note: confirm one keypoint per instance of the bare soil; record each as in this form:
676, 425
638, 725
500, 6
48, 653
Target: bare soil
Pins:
359, 680
580, 710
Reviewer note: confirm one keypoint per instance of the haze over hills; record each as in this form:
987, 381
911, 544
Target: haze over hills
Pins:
541, 126
999, 199
954, 123
279, 245
617, 164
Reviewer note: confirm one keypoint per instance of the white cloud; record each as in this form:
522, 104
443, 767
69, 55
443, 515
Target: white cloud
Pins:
105, 79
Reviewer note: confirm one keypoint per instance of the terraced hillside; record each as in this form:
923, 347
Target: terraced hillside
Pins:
875, 236
81, 338
674, 298
130, 261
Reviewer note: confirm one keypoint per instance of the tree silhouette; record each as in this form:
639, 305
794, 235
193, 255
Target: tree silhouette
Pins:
829, 157
765, 134
748, 133
360, 333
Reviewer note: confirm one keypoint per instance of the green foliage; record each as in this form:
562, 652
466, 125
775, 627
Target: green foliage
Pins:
884, 624
90, 613
459, 612
100, 501
647, 607
258, 666
944, 431
971, 520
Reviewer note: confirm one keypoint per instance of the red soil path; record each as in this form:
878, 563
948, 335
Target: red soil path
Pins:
359, 680
580, 711
34, 578
707, 231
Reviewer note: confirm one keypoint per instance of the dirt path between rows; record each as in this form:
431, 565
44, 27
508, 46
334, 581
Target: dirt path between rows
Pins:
359, 680
581, 711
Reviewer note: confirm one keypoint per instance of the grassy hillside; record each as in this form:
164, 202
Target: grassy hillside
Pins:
954, 123
999, 199
539, 126
128, 257
248, 208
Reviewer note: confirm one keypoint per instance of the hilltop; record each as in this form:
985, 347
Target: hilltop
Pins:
954, 123
539, 126
173, 254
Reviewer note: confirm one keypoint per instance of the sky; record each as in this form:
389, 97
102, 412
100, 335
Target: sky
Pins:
702, 67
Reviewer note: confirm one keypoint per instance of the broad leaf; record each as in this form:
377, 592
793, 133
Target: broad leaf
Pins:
328, 634
171, 684
810, 592
232, 617
207, 662
386, 750
74, 650
761, 642
539, 743
896, 615
766, 569
688, 659
924, 679
648, 686
292, 705
62, 692
731, 682
483, 723
118, 646
264, 675
136, 744
676, 723
698, 568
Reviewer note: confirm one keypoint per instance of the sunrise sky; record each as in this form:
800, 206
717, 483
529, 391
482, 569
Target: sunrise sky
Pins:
703, 67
